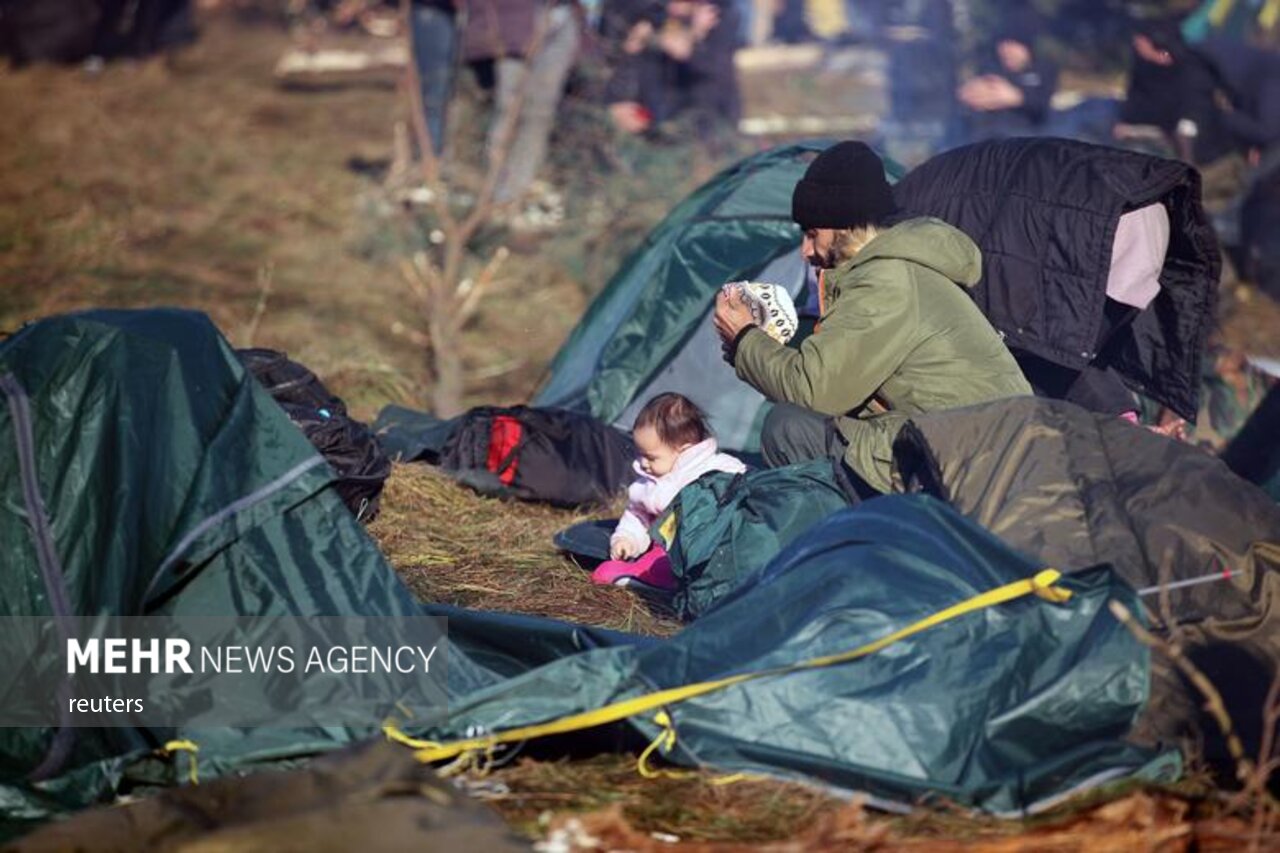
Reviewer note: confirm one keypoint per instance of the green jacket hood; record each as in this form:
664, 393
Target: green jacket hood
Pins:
931, 243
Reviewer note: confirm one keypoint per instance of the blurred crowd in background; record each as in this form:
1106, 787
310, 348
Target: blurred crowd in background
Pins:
1201, 78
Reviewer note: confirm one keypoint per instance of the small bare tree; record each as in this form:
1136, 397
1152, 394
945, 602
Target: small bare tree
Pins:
438, 272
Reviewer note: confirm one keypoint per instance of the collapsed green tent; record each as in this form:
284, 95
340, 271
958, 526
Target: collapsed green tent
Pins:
648, 331
144, 472
1005, 707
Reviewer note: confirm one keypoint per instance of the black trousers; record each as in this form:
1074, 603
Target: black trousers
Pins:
794, 434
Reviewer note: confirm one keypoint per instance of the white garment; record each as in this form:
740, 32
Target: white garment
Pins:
648, 497
1137, 255
771, 307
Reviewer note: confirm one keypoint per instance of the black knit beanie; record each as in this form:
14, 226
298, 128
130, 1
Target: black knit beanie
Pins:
844, 187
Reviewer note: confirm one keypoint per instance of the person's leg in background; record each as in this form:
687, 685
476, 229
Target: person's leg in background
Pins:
435, 48
762, 17
536, 101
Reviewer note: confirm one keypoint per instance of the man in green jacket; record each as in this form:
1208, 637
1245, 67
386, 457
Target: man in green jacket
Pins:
898, 335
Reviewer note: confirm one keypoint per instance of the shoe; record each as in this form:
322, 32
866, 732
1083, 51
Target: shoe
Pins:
652, 570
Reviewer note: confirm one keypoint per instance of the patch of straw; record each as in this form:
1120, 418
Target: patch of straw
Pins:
456, 547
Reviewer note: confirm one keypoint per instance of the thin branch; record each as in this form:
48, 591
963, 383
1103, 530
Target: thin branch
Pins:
418, 339
416, 277
1213, 699
448, 302
471, 300
1253, 776
266, 273
1165, 575
1266, 809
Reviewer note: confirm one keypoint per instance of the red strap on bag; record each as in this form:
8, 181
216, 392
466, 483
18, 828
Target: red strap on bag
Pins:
504, 440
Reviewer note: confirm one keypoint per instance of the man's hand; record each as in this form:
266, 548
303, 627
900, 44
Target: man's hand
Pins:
990, 92
1170, 425
732, 316
704, 20
676, 43
630, 116
623, 549
638, 37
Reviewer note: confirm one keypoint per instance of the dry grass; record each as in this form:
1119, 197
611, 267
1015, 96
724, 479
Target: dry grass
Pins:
183, 182
603, 801
177, 183
694, 808
453, 546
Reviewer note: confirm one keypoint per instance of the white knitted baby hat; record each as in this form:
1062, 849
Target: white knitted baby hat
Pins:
771, 307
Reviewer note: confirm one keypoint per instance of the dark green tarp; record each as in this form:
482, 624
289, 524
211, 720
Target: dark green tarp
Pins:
143, 472
723, 528
1001, 709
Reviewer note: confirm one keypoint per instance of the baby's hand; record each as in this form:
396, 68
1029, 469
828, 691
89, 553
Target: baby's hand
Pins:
623, 549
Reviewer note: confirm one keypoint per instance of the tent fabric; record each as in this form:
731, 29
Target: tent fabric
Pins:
408, 435
648, 331
999, 709
723, 528
1075, 489
587, 540
170, 485
1044, 212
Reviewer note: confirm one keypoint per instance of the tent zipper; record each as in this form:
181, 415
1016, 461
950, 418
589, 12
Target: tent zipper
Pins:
239, 505
46, 556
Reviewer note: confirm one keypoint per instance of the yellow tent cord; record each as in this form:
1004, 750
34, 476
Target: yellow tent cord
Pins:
1042, 585
393, 733
666, 741
193, 771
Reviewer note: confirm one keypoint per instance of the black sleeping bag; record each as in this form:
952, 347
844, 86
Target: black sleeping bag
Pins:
548, 455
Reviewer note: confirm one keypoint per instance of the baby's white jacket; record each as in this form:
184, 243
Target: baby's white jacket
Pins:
649, 496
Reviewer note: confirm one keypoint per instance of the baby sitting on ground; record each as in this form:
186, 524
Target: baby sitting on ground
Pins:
675, 448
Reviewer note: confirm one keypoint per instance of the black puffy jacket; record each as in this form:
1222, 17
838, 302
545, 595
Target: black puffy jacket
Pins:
1044, 212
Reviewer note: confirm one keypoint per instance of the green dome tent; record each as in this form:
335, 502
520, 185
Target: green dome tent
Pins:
649, 330
143, 472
